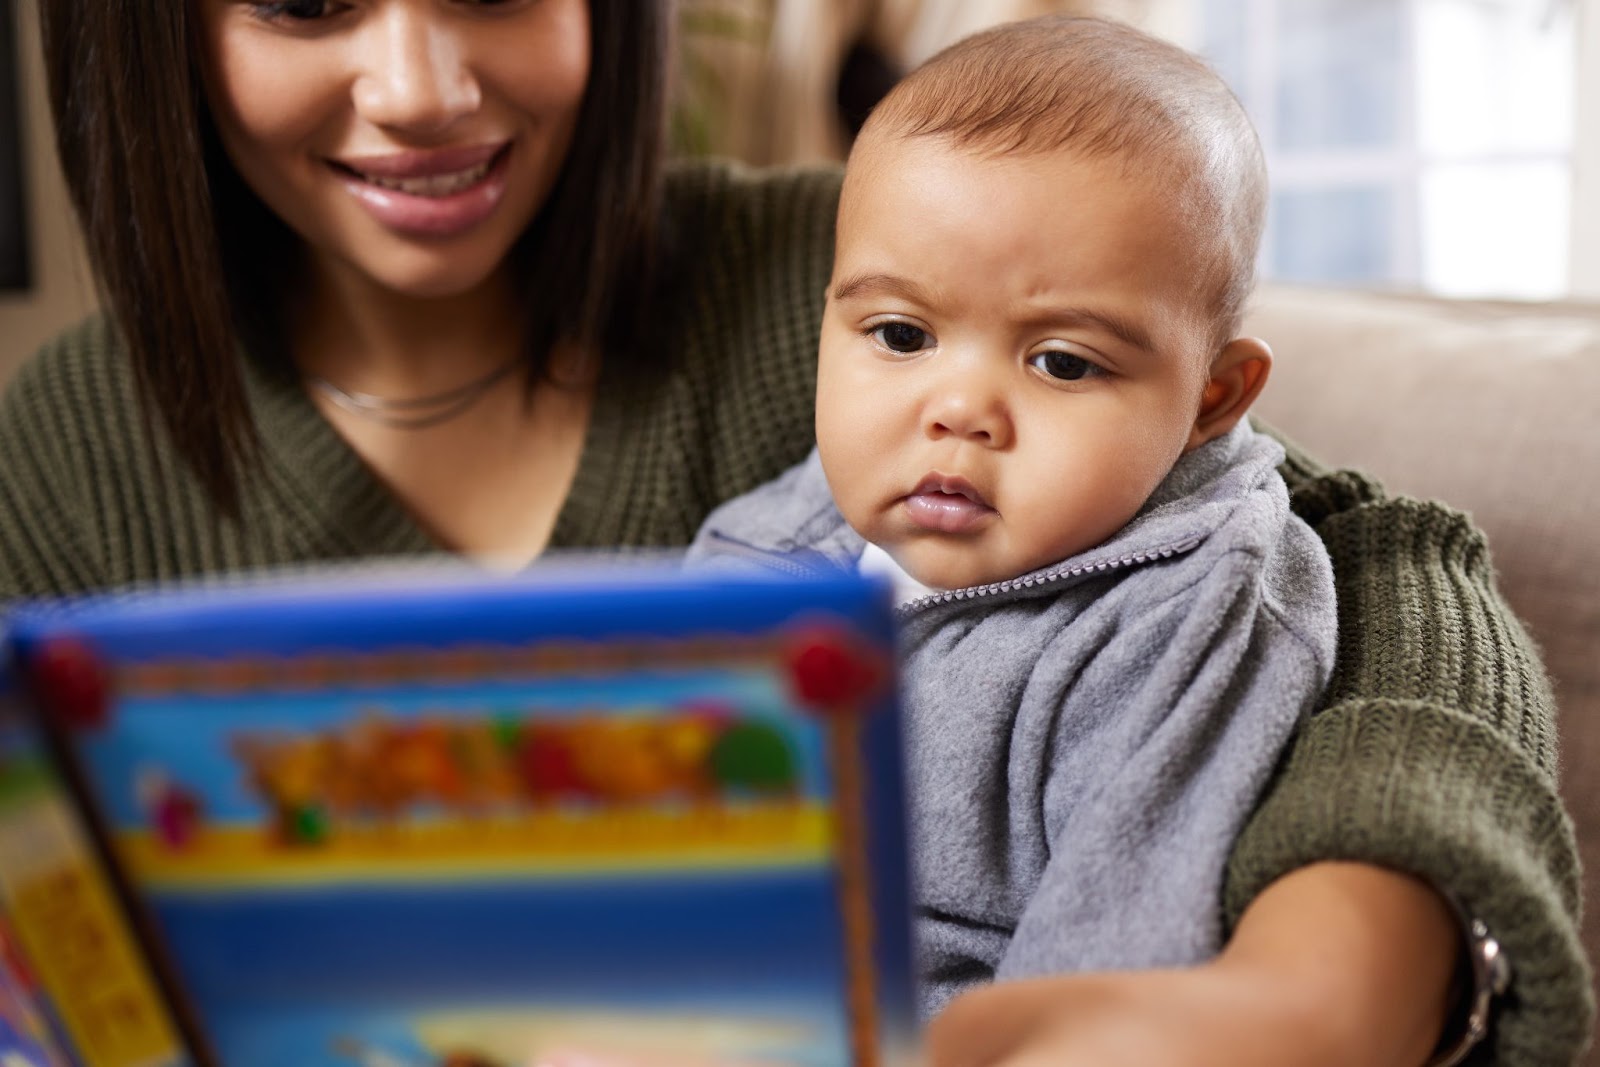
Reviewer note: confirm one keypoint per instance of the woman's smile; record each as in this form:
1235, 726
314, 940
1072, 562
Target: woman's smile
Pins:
437, 194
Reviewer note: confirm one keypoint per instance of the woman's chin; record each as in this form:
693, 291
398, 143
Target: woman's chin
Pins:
426, 273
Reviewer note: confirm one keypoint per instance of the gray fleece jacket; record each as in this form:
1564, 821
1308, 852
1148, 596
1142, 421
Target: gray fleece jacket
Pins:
1085, 741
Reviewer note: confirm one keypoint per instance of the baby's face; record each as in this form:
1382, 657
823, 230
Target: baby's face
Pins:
1012, 355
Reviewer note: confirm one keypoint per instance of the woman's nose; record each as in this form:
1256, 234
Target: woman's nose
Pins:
969, 404
414, 73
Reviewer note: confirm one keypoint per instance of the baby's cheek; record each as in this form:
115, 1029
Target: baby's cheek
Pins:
849, 482
851, 430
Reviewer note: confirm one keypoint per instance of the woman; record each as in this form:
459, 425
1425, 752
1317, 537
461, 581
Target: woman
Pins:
402, 276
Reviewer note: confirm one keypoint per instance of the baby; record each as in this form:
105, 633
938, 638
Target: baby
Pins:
1030, 415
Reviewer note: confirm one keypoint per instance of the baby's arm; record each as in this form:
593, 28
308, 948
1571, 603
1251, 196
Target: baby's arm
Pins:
1333, 964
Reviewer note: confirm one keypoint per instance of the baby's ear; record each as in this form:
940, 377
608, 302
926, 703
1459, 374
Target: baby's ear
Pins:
1237, 376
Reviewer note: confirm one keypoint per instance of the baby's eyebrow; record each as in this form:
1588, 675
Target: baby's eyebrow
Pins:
1125, 330
881, 285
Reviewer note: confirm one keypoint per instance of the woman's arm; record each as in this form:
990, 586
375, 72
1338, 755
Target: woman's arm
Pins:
1334, 964
1433, 753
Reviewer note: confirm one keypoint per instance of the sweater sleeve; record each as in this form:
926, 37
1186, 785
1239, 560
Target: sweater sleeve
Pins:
1433, 753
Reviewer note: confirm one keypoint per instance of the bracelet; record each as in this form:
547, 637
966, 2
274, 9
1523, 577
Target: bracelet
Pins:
1491, 976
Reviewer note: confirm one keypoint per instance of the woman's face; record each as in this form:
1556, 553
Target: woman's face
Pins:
409, 142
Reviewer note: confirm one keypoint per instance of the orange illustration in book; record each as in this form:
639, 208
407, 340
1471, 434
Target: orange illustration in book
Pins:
383, 769
490, 778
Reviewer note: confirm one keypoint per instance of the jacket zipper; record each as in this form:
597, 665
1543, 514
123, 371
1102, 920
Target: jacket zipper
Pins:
785, 565
974, 592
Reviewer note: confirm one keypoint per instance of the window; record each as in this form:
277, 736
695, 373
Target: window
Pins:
1413, 143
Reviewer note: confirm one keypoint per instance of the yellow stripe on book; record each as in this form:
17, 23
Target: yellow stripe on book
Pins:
550, 844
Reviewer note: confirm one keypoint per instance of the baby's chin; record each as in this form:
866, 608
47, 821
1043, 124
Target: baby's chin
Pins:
954, 567
943, 562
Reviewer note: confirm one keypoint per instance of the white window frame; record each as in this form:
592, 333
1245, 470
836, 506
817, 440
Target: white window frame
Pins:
1395, 166
1584, 263
1400, 167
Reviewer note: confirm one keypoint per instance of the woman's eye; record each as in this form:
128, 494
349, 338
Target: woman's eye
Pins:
901, 337
293, 10
1064, 366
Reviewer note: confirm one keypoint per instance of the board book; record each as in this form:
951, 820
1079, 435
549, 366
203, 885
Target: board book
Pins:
456, 823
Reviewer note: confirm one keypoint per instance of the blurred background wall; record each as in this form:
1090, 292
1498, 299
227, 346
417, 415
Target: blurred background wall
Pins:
58, 289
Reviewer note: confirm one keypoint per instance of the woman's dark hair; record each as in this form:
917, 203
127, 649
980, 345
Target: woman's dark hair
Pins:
186, 257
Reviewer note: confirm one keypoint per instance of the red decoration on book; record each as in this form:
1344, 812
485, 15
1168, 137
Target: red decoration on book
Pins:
830, 672
177, 816
71, 682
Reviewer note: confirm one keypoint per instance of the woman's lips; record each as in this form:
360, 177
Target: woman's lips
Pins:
442, 194
947, 504
422, 162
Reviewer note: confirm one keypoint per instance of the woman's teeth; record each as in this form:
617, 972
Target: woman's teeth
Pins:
434, 184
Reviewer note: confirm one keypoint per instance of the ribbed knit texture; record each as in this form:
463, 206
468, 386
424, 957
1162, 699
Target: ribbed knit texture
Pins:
1435, 752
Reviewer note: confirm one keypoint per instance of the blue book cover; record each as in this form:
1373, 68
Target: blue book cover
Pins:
479, 824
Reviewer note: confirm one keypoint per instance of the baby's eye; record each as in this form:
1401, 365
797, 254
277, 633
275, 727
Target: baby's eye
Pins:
901, 337
1065, 366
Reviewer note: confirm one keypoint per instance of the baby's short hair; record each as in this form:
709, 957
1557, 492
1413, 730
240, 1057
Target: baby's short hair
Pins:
1104, 89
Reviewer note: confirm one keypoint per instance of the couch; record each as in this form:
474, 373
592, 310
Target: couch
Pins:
1493, 408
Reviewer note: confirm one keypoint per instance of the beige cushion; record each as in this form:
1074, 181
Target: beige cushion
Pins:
1493, 408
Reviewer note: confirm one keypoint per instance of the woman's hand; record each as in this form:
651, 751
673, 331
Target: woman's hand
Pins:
1336, 964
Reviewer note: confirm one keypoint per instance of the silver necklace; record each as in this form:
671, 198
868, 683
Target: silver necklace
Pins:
415, 413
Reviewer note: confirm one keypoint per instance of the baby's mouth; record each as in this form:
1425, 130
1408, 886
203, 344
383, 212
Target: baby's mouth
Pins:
947, 503
951, 485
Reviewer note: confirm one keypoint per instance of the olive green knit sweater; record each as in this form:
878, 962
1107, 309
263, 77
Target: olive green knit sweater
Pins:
1434, 753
